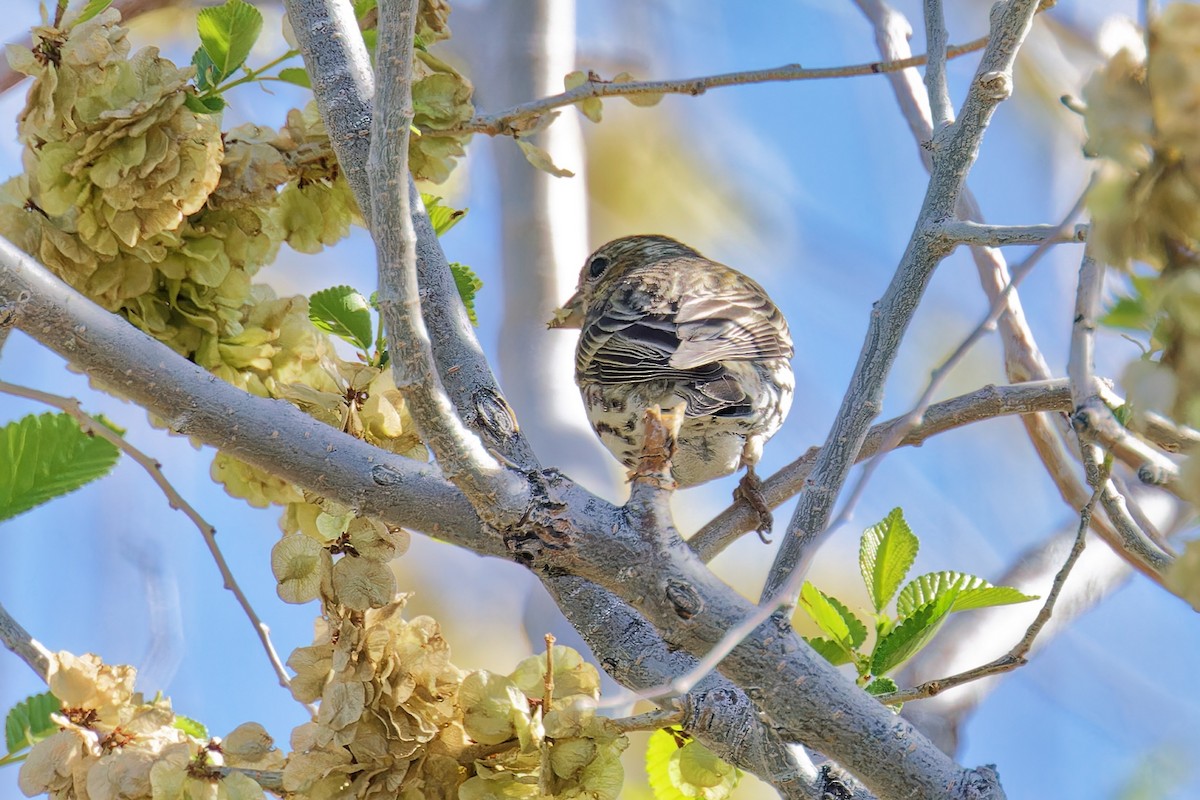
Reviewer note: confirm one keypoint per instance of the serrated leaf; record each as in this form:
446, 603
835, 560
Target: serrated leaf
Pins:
880, 686
43, 457
227, 32
913, 633
190, 726
90, 10
988, 597
541, 159
816, 604
832, 651
885, 554
858, 630
925, 589
468, 285
28, 722
295, 75
441, 217
343, 312
969, 591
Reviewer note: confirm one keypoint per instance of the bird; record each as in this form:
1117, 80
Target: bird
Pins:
662, 325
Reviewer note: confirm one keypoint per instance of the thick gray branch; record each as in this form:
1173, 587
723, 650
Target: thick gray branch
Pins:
270, 434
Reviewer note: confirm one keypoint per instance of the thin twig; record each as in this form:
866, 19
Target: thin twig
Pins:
90, 426
1130, 542
518, 118
935, 71
985, 403
24, 646
938, 376
892, 314
1015, 657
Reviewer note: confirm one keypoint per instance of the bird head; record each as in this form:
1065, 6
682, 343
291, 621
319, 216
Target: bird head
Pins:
609, 263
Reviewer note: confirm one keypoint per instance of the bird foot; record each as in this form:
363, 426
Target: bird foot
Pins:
750, 491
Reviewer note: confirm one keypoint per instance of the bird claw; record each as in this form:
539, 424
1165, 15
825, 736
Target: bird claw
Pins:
750, 491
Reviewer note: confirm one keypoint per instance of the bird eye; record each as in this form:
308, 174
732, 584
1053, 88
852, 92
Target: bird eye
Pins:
597, 267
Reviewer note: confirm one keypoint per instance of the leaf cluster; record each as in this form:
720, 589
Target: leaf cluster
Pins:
887, 551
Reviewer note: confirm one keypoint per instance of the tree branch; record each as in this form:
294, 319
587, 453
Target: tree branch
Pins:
490, 486
1130, 542
935, 71
517, 119
340, 71
1023, 360
24, 646
270, 434
978, 234
986, 403
893, 312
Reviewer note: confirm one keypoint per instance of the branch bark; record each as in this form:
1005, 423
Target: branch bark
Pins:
985, 403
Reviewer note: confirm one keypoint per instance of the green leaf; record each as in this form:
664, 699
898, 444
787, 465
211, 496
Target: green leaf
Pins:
295, 75
204, 105
207, 73
443, 218
28, 722
680, 768
190, 726
881, 686
227, 32
361, 7
345, 313
1129, 313
913, 633
969, 592
831, 650
885, 553
92, 8
824, 613
468, 284
989, 596
1124, 414
44, 457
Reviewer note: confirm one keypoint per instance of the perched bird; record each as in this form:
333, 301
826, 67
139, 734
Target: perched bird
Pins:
663, 325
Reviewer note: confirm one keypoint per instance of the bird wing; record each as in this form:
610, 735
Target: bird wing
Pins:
738, 323
639, 336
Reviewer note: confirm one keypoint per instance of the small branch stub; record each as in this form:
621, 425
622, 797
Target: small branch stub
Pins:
658, 446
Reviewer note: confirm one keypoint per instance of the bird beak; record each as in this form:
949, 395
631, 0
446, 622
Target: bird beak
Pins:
570, 315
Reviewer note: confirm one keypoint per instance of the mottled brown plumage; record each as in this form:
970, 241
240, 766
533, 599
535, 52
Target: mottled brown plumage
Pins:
661, 324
